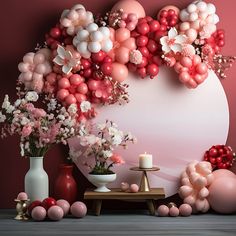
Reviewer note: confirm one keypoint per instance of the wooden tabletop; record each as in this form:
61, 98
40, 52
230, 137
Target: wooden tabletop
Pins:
116, 193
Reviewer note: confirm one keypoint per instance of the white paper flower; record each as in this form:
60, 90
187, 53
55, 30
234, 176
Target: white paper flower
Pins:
173, 42
17, 102
85, 106
72, 109
22, 151
106, 153
52, 104
117, 138
32, 96
65, 59
88, 140
2, 117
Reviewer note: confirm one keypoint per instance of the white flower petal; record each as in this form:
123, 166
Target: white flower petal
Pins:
176, 48
166, 48
163, 40
180, 39
66, 69
58, 60
68, 55
172, 33
61, 51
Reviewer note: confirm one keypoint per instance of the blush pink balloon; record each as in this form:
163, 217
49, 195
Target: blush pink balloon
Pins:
134, 188
163, 210
55, 213
78, 209
65, 206
223, 173
64, 83
122, 34
124, 186
185, 210
38, 213
130, 6
174, 211
62, 94
76, 79
22, 196
70, 99
222, 195
169, 7
82, 88
122, 55
119, 72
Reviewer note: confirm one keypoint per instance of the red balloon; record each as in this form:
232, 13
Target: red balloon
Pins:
106, 68
82, 88
48, 202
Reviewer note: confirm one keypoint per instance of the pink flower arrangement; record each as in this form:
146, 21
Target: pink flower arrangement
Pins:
101, 146
39, 128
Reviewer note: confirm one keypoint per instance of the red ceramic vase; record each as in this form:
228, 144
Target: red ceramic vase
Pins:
65, 185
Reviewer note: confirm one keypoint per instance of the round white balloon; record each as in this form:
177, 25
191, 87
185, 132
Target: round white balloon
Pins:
173, 123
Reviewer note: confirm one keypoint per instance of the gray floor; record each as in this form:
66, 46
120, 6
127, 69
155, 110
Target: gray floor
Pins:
122, 223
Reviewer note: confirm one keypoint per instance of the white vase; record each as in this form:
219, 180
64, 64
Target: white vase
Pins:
100, 181
36, 180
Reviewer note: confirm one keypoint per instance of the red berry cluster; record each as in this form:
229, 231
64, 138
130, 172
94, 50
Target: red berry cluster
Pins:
57, 35
168, 18
217, 40
220, 156
96, 71
147, 34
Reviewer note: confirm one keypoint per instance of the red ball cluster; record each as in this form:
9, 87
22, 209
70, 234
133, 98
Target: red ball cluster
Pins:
217, 40
147, 34
168, 18
220, 156
57, 35
96, 71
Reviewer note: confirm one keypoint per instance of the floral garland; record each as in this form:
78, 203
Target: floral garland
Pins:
86, 59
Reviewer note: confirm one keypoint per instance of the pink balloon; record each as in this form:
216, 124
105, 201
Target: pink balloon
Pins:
62, 94
119, 72
222, 195
185, 191
93, 84
122, 55
134, 188
76, 79
65, 206
223, 173
82, 88
22, 196
124, 186
80, 97
185, 210
130, 6
78, 209
38, 213
70, 99
174, 211
64, 83
55, 213
122, 34
163, 210
129, 43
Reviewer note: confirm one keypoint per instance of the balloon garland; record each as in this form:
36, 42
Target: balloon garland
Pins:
86, 58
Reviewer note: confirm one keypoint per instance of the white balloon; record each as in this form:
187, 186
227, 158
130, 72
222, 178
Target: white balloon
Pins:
82, 35
184, 16
203, 15
202, 6
216, 19
105, 31
211, 9
184, 26
89, 16
195, 25
94, 47
107, 45
193, 16
96, 36
92, 27
210, 19
78, 6
191, 8
82, 47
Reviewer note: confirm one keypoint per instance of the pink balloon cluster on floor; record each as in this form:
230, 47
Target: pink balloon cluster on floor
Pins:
172, 210
192, 71
125, 187
33, 68
222, 192
75, 18
194, 185
56, 210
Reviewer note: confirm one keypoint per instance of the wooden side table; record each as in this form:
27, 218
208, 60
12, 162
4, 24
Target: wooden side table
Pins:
117, 194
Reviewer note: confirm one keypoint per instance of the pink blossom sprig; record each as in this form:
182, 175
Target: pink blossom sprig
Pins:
100, 142
38, 128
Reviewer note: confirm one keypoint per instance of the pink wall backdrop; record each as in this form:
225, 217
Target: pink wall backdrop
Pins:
23, 25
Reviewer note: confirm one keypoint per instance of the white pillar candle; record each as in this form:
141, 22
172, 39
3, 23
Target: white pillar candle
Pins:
145, 161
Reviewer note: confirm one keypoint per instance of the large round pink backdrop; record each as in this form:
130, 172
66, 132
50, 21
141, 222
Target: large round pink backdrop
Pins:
175, 124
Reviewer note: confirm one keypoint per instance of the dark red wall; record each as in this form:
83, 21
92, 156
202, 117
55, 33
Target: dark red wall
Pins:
23, 25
